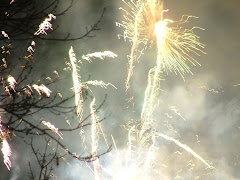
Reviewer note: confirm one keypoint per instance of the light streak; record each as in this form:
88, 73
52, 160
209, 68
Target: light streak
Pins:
45, 25
100, 55
210, 90
100, 83
53, 128
95, 139
6, 150
76, 82
187, 148
176, 110
42, 89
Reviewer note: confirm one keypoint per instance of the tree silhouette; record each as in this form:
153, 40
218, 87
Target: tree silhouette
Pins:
23, 99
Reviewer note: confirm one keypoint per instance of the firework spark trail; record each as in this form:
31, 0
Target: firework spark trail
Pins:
100, 83
188, 149
42, 89
100, 55
45, 25
53, 128
95, 139
6, 150
76, 82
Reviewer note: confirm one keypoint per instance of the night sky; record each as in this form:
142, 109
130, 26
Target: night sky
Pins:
208, 101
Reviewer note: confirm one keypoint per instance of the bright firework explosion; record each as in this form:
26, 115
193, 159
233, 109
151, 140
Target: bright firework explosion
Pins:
145, 26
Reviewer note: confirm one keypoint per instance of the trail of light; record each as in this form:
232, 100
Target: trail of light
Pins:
42, 89
100, 55
114, 143
45, 25
95, 139
6, 150
187, 148
76, 82
53, 128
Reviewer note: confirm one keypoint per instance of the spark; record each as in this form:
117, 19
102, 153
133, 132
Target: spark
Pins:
210, 90
12, 82
95, 139
4, 62
76, 82
33, 43
55, 72
30, 49
100, 55
187, 148
42, 89
176, 110
100, 83
6, 150
5, 34
52, 127
45, 25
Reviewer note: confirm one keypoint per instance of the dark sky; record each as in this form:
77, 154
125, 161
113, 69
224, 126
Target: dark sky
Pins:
208, 100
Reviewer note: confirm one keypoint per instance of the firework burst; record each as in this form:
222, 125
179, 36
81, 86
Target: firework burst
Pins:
145, 26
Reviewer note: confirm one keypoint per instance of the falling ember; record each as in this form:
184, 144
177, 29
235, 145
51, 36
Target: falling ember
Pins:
6, 150
45, 25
